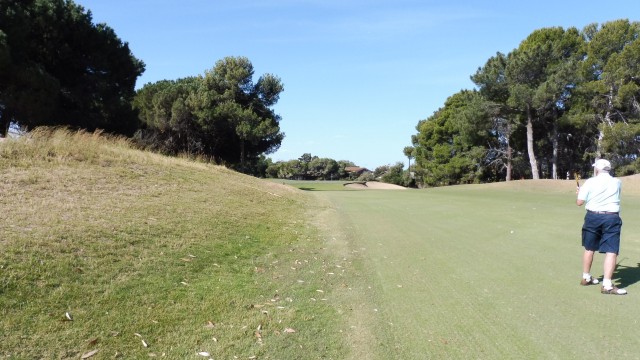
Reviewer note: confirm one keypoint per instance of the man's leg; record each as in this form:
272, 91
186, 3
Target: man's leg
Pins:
610, 243
587, 260
609, 268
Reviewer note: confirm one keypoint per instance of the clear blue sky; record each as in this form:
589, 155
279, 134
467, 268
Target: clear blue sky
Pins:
358, 74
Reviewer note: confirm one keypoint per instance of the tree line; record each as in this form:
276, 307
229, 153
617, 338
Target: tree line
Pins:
58, 68
547, 109
310, 167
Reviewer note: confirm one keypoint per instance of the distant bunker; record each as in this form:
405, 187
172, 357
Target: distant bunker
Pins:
372, 185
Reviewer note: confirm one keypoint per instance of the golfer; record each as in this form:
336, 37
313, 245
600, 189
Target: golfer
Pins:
602, 224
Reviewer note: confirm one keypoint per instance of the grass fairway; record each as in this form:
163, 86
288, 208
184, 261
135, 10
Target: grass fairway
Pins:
486, 272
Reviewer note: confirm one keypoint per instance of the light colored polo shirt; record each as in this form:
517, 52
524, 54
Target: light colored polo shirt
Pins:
601, 193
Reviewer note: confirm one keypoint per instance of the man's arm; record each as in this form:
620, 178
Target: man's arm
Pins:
581, 194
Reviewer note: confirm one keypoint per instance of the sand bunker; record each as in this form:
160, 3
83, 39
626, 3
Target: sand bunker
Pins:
373, 185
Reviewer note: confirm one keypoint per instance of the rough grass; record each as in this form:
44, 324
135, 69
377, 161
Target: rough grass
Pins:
130, 254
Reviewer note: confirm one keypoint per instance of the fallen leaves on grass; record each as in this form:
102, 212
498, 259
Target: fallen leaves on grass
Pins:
209, 325
144, 343
188, 258
258, 333
89, 354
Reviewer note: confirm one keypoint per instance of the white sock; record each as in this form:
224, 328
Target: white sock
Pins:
606, 283
586, 276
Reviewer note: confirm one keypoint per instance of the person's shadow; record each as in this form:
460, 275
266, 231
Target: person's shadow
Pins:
627, 275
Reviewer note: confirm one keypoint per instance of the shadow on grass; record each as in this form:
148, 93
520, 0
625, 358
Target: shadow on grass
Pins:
627, 275
319, 189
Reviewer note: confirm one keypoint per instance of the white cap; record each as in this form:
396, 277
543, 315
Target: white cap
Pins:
602, 164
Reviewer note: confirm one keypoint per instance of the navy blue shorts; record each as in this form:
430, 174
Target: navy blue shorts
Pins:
601, 232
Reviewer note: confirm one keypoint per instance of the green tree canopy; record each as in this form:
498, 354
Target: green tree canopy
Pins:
223, 115
450, 145
58, 68
610, 110
540, 74
558, 101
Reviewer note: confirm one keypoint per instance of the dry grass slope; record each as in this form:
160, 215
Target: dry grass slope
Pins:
152, 256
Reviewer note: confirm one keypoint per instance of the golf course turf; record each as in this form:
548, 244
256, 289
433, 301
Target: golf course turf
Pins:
488, 272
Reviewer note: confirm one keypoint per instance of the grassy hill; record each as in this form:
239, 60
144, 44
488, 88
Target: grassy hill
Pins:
112, 252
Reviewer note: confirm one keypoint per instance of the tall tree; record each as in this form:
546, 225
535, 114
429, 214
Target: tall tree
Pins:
554, 95
450, 145
166, 112
223, 115
229, 98
611, 73
410, 153
492, 83
61, 69
541, 74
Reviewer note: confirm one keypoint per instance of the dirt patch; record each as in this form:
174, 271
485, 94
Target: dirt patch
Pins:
374, 185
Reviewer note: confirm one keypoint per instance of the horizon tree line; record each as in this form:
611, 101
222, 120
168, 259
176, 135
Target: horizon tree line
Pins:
547, 109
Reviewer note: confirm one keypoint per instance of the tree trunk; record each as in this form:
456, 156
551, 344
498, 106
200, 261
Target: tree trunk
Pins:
509, 165
600, 139
554, 141
242, 154
5, 122
532, 157
509, 154
606, 121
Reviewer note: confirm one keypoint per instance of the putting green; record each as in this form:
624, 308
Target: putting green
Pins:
484, 272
